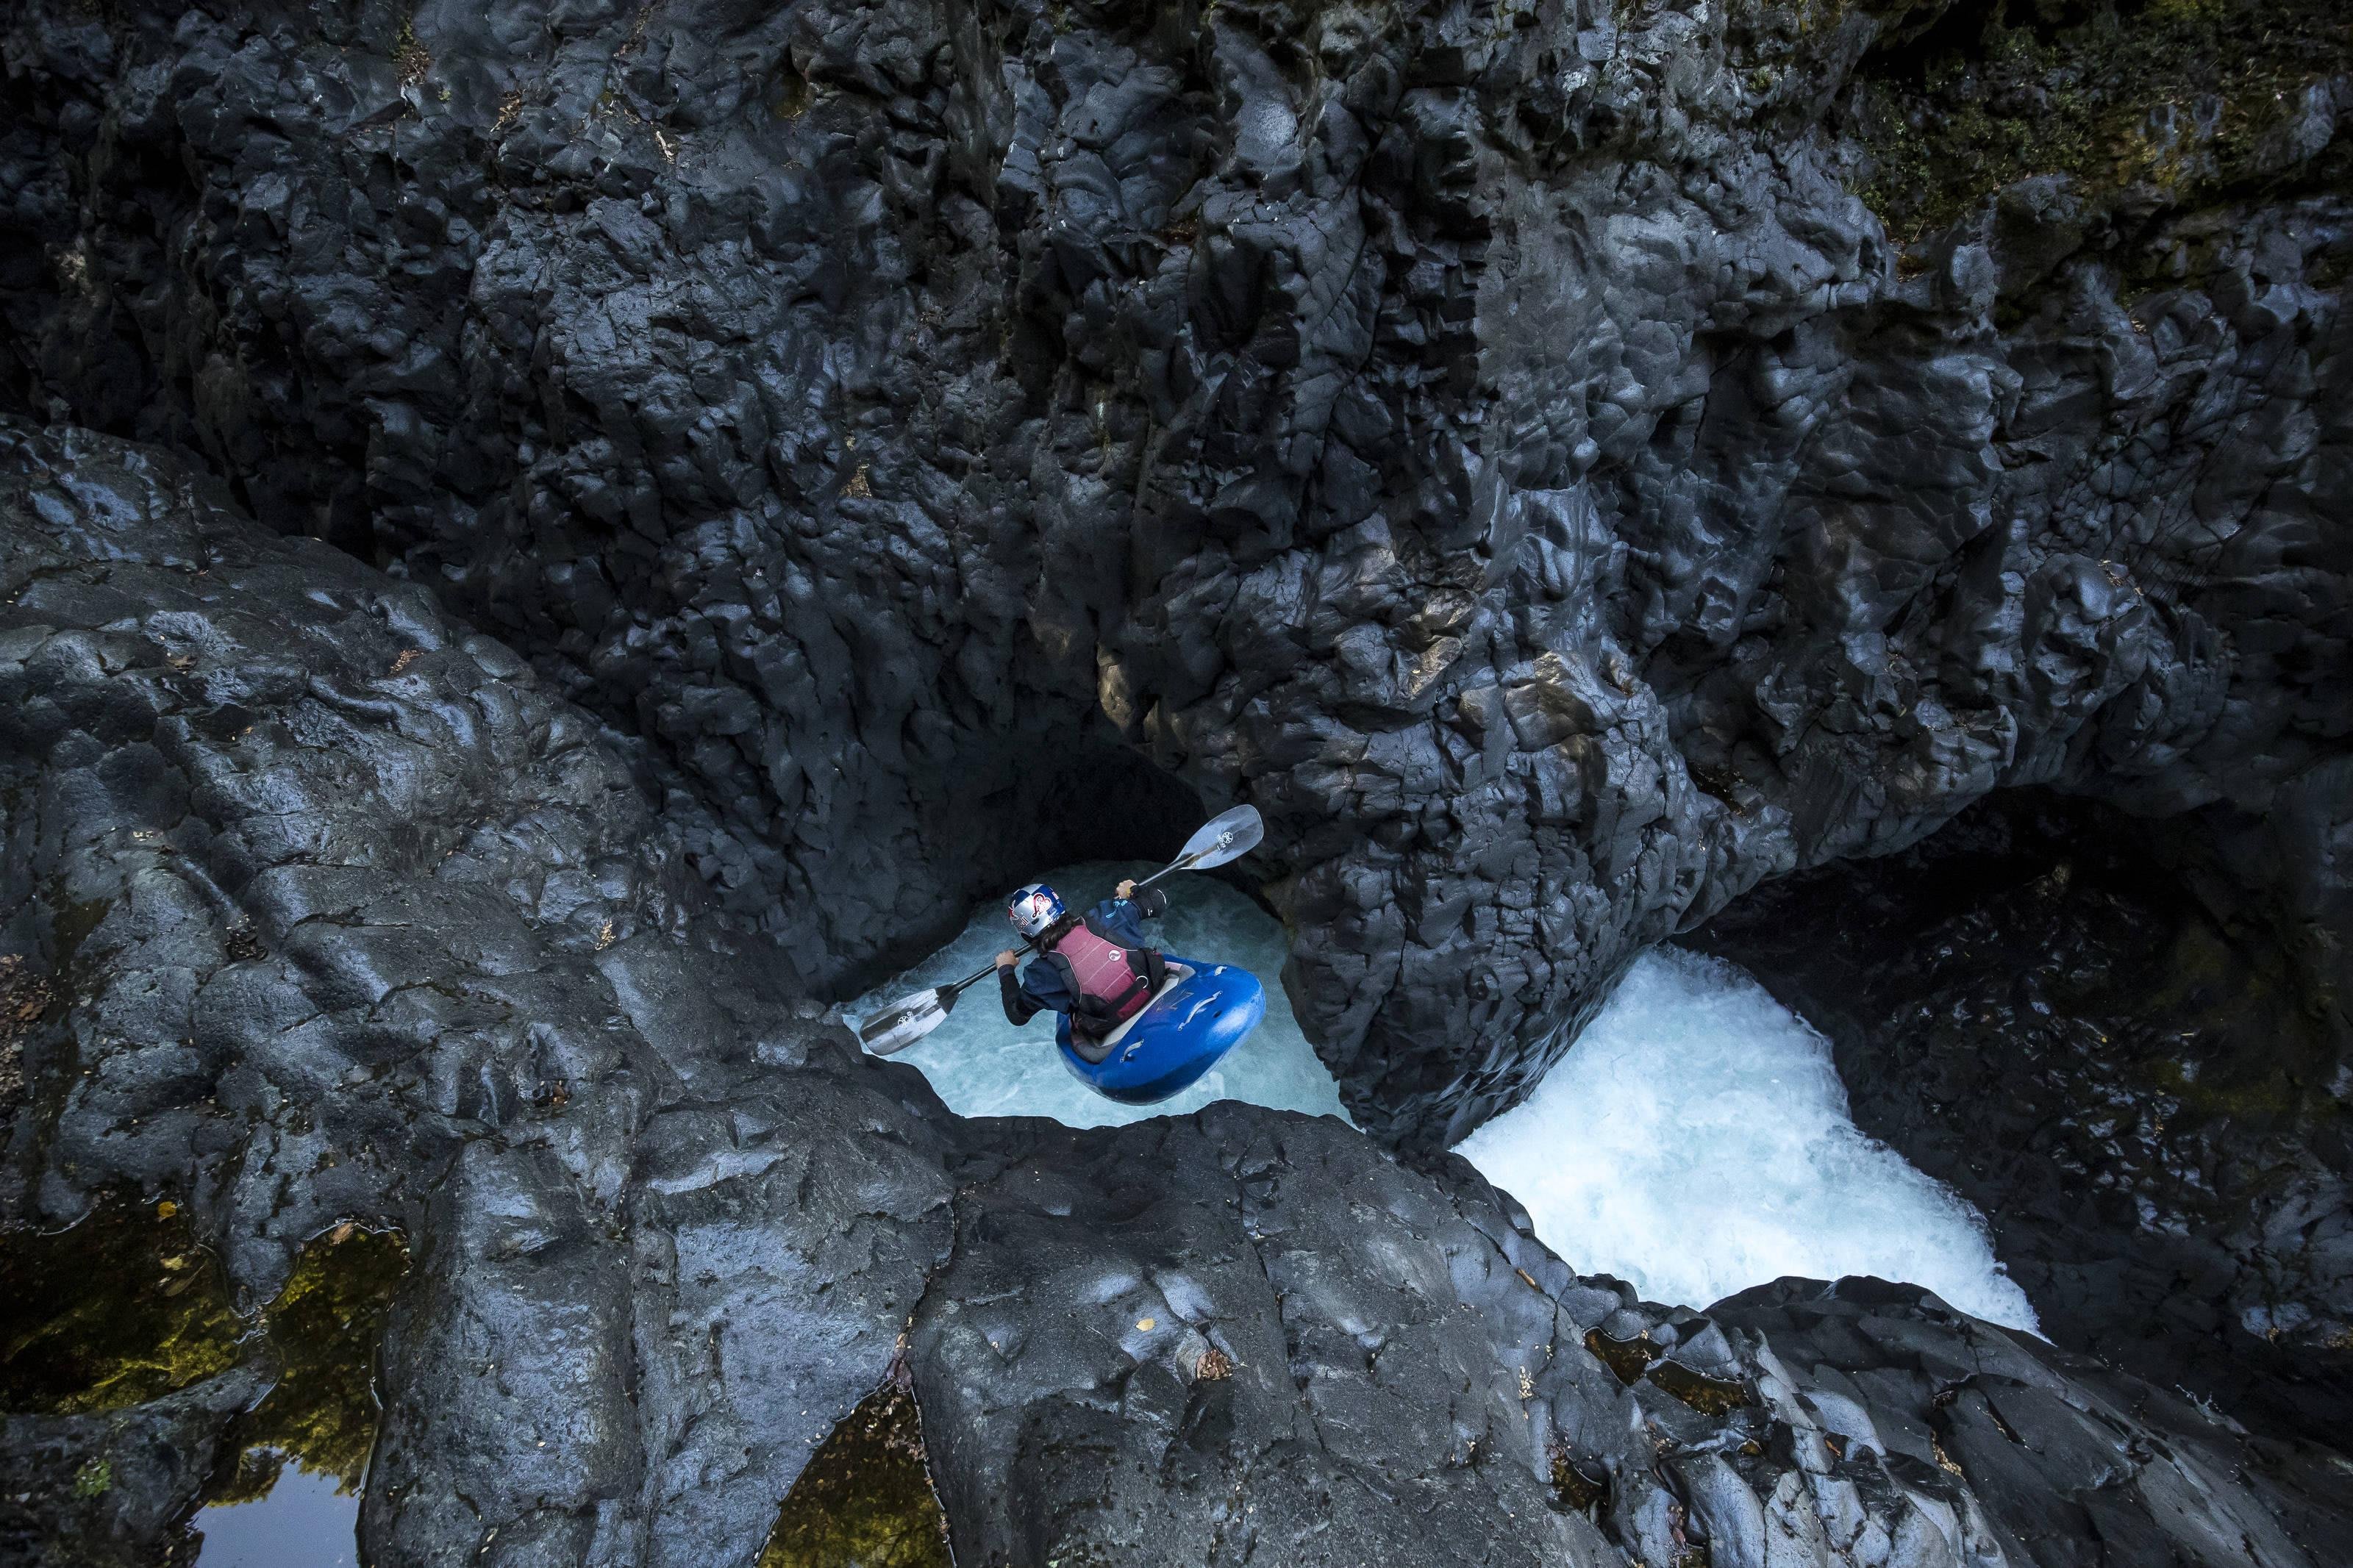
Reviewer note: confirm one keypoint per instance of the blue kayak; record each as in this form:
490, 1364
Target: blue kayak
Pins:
1202, 1011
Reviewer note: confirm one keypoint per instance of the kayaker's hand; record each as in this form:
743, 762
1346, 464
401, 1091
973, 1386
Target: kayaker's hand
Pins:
1126, 890
1008, 958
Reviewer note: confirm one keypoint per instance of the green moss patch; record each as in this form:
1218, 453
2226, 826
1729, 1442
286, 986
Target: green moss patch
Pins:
866, 1498
128, 1307
2173, 97
121, 1309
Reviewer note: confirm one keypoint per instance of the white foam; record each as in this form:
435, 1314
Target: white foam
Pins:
983, 1066
1696, 1141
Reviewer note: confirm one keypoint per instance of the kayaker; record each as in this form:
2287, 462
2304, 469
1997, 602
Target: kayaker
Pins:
1097, 967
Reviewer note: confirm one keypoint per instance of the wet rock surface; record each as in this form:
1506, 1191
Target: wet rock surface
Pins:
1875, 1383
344, 917
2137, 1076
333, 933
1496, 440
100, 1490
1262, 1359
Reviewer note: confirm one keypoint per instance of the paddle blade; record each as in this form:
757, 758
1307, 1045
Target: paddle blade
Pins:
905, 1021
1229, 836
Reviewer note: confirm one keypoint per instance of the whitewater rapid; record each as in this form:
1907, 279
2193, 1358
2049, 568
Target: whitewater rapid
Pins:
1694, 1142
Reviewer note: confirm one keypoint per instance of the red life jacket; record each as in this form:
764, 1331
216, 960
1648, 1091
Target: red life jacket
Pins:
1109, 983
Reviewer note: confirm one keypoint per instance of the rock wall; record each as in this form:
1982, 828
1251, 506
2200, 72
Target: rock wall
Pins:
338, 912
1496, 440
2139, 1077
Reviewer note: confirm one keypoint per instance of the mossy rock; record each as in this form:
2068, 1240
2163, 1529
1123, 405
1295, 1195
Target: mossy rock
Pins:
866, 1497
127, 1307
2170, 99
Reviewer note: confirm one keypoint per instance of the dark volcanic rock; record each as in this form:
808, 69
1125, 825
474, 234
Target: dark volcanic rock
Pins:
1493, 439
344, 916
1234, 1338
1878, 1382
340, 913
2140, 1079
108, 1488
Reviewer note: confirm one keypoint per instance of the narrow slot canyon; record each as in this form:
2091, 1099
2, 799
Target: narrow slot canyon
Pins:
1771, 582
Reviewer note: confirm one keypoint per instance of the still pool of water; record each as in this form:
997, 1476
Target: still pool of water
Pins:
305, 1521
129, 1306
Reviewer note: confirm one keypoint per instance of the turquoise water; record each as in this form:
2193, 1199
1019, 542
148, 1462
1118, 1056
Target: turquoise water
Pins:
983, 1066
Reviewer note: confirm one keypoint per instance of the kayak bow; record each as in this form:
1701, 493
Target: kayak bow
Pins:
1202, 1011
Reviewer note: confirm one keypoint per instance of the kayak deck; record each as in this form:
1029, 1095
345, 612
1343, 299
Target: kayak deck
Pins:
1201, 1012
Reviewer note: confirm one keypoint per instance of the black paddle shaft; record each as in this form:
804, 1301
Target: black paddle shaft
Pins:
1227, 837
948, 993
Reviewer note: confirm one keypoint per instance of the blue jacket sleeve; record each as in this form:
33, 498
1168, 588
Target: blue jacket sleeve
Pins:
1036, 990
1124, 917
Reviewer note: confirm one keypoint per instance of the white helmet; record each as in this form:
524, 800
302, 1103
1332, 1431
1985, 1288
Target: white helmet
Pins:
1033, 909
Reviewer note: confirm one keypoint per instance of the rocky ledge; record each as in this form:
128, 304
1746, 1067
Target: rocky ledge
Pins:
338, 914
